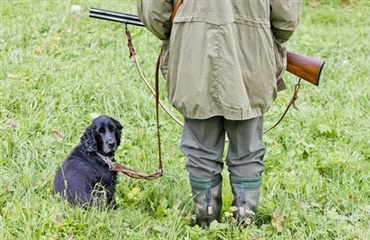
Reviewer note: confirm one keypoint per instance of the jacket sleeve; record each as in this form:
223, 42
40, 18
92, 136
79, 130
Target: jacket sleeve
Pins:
155, 14
285, 15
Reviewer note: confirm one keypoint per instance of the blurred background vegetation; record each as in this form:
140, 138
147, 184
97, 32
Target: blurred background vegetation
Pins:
60, 69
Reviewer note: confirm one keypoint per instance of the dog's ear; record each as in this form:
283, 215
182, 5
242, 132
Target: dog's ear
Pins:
118, 132
117, 124
88, 141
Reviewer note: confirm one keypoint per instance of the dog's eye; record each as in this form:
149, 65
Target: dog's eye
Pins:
101, 130
111, 128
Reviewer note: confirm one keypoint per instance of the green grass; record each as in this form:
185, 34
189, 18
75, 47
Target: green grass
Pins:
60, 68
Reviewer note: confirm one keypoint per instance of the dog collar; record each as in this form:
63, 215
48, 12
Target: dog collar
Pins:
108, 160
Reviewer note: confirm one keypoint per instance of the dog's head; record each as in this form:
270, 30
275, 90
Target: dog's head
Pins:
103, 136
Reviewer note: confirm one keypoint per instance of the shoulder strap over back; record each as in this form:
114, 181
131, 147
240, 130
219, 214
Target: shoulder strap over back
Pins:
177, 5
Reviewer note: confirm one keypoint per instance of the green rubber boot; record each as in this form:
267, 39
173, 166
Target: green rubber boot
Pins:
207, 198
246, 197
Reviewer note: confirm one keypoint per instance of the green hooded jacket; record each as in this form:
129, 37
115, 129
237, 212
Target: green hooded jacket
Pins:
226, 57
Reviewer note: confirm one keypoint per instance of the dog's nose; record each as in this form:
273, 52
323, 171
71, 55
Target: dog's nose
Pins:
111, 144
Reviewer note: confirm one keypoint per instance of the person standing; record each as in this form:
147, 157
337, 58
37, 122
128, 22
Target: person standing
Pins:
223, 63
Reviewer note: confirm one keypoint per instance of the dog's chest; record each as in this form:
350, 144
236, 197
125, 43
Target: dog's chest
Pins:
105, 175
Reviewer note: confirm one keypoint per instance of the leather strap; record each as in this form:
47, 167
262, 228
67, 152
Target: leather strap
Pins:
291, 103
175, 8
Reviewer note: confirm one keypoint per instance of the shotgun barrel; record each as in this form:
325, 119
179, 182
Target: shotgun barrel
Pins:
305, 67
115, 16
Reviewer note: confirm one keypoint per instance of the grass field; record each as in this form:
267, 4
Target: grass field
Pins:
60, 69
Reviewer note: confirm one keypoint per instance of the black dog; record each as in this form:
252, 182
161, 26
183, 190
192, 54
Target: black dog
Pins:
84, 176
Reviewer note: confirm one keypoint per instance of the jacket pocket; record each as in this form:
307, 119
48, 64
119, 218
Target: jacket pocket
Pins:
280, 53
164, 57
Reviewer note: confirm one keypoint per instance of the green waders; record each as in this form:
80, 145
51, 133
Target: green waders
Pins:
246, 197
203, 142
207, 199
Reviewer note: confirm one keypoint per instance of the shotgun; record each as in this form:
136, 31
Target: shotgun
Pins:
302, 66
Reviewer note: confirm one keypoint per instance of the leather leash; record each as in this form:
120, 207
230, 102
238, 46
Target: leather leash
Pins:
159, 173
121, 168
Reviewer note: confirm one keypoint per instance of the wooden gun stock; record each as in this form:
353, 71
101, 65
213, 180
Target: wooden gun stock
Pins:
305, 67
